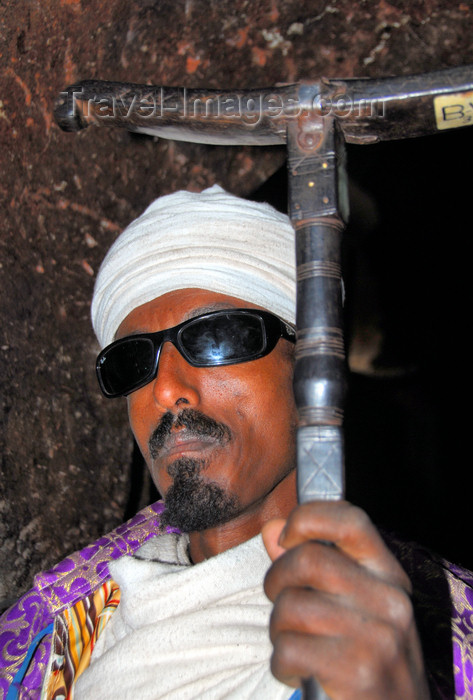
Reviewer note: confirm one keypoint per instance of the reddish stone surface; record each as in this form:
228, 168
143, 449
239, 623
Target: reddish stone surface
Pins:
67, 453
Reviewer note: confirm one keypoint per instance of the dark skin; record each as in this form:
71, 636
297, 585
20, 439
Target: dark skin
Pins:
341, 614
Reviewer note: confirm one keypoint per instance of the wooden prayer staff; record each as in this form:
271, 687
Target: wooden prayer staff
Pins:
313, 119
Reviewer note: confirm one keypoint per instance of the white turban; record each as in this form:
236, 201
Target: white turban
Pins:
209, 240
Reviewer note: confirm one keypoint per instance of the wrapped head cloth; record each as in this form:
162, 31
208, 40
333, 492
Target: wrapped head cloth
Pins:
209, 240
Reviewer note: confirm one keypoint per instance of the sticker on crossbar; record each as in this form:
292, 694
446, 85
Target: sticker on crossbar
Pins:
454, 110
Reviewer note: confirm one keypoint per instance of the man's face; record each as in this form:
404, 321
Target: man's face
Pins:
219, 441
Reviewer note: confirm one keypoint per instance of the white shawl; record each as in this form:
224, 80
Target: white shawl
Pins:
183, 631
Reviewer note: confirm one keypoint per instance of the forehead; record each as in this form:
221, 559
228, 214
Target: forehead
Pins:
170, 309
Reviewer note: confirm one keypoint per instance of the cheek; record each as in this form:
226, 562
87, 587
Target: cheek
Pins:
140, 417
270, 416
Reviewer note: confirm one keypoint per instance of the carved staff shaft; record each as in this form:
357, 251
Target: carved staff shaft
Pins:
318, 207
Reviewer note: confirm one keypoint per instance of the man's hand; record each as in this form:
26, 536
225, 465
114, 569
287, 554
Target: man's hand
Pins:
342, 613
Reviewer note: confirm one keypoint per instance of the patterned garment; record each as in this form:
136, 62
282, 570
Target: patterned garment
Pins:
26, 629
76, 632
56, 624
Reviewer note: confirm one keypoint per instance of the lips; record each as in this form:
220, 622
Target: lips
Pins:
185, 442
189, 431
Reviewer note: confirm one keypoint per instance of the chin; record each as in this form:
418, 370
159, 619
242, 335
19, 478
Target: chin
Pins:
193, 503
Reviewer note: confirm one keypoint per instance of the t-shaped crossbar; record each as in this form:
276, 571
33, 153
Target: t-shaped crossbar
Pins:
314, 120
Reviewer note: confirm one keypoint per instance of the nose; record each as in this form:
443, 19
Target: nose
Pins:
176, 382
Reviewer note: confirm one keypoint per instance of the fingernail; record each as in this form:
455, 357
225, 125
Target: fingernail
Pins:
282, 536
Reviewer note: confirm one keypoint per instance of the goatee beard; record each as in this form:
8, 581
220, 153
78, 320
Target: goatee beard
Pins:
192, 503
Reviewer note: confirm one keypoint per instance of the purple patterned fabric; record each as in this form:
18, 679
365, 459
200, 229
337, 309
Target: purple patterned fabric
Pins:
442, 598
70, 580
462, 632
443, 604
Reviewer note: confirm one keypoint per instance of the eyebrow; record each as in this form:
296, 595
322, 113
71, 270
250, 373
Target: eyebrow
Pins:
208, 308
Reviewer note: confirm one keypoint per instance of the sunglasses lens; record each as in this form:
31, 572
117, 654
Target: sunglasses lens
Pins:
127, 365
218, 338
223, 339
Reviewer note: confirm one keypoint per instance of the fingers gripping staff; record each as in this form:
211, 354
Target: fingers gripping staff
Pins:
341, 613
313, 119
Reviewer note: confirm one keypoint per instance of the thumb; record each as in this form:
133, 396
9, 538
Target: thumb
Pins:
270, 533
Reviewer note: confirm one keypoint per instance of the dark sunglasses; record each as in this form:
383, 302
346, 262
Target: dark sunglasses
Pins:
218, 338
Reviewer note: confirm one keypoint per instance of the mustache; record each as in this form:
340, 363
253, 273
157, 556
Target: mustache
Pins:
195, 422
